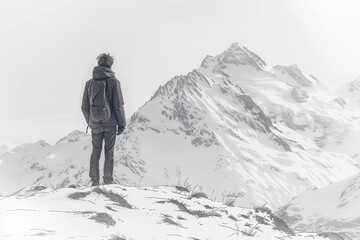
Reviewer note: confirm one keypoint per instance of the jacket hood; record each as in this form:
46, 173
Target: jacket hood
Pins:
101, 72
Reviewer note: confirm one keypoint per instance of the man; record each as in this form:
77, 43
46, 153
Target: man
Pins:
103, 109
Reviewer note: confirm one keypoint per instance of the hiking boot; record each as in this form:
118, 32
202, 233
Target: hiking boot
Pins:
95, 183
106, 182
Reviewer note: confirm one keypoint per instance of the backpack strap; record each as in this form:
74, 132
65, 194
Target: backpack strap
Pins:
90, 83
107, 92
106, 88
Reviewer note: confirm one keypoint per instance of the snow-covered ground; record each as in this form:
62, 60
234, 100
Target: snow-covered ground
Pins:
334, 208
115, 212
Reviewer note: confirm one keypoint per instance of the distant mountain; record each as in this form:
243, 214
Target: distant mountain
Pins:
5, 148
333, 208
52, 165
117, 212
350, 94
236, 126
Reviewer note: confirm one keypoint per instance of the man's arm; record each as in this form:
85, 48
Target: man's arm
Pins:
118, 104
85, 106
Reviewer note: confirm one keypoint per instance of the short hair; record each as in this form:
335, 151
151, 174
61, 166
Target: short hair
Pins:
105, 59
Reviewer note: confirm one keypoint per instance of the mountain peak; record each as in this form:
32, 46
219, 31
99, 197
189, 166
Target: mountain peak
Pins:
241, 55
237, 55
235, 45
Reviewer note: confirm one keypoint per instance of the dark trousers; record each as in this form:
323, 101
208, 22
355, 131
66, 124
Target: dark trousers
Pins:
98, 135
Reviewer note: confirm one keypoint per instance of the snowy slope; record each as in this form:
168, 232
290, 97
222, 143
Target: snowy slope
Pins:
5, 148
116, 212
349, 94
334, 208
235, 126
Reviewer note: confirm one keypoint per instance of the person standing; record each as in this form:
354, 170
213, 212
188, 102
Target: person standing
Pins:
103, 109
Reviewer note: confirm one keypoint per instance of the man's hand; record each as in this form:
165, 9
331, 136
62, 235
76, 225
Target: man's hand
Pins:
120, 129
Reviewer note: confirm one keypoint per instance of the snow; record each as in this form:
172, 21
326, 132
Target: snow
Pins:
6, 147
332, 208
159, 212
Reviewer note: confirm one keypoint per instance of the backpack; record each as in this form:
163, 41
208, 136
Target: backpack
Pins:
99, 102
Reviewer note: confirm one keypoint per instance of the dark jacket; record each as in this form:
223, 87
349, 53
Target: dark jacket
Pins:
116, 101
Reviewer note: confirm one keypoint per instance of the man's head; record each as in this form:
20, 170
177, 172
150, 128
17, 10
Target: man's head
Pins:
105, 60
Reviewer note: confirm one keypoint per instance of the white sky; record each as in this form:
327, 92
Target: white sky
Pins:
48, 49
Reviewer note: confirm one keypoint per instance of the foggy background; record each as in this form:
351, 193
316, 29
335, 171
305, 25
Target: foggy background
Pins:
48, 49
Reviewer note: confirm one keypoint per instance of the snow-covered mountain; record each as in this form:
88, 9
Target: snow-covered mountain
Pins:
241, 120
350, 94
235, 126
115, 212
5, 148
333, 208
61, 164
